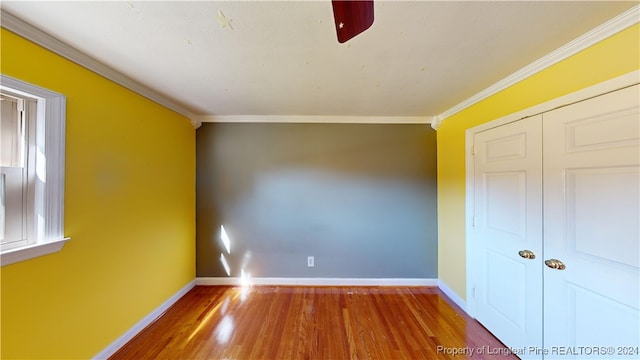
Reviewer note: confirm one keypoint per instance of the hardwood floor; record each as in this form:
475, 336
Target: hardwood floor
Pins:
275, 322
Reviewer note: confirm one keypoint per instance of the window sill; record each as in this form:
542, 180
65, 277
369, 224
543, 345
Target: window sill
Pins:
32, 251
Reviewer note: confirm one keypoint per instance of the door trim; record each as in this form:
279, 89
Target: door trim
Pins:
617, 83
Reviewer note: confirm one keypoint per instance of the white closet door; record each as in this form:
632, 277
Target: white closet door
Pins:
508, 220
591, 225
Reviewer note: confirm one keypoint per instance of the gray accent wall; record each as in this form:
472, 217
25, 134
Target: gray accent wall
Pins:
360, 198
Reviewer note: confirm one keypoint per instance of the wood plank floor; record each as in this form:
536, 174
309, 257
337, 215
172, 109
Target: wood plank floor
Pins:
269, 322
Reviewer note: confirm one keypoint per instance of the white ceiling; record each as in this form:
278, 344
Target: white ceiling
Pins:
282, 58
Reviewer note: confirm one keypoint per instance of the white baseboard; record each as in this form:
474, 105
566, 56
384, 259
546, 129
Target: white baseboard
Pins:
453, 296
236, 281
116, 345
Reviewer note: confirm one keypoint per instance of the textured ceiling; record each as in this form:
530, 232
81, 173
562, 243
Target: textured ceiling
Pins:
282, 58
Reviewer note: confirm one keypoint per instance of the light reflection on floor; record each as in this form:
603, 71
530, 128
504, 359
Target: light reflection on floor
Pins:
224, 330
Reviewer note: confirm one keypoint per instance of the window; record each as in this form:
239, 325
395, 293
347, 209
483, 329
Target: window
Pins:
32, 129
16, 184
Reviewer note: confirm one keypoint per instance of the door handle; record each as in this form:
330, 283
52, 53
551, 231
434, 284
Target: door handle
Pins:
527, 254
555, 264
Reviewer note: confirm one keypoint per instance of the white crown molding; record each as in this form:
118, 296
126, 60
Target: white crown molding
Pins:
318, 119
32, 33
609, 28
436, 122
146, 321
237, 281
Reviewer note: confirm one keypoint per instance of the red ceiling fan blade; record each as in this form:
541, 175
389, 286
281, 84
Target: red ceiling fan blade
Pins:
352, 17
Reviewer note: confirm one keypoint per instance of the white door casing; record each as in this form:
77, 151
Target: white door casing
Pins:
592, 225
508, 220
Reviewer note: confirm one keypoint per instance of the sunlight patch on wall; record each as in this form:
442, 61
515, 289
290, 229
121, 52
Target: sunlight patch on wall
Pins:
245, 277
227, 245
225, 264
225, 239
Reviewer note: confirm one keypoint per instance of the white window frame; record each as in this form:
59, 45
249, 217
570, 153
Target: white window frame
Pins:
48, 202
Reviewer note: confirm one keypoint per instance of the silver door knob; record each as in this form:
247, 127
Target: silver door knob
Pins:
527, 254
555, 264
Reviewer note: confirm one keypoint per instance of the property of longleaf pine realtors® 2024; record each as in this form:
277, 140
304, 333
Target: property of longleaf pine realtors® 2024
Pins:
533, 350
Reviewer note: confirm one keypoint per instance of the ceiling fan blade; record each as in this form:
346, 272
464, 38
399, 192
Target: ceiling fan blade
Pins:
352, 17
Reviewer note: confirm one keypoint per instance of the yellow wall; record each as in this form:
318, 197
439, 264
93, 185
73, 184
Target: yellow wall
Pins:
610, 58
129, 210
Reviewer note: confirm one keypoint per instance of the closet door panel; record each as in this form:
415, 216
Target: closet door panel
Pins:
508, 221
591, 185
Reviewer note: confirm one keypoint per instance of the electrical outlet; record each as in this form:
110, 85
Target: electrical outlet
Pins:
310, 261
